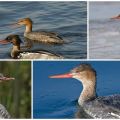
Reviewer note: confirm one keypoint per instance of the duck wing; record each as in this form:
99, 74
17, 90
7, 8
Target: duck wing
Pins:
104, 107
41, 54
47, 37
4, 113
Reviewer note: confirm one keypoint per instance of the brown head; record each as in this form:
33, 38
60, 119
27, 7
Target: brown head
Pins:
25, 21
14, 39
84, 73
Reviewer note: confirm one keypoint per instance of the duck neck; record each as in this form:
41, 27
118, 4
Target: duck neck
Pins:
28, 28
88, 92
15, 51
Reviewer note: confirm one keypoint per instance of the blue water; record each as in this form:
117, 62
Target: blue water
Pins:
104, 32
57, 98
68, 19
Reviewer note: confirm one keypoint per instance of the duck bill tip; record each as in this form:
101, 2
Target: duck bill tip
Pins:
67, 75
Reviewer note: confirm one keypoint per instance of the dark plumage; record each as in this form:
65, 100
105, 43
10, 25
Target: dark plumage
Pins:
16, 52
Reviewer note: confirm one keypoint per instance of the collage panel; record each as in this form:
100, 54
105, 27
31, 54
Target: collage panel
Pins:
43, 30
104, 29
15, 89
60, 80
76, 89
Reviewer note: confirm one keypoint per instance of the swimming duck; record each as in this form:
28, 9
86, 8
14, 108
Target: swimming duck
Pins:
45, 37
103, 107
17, 53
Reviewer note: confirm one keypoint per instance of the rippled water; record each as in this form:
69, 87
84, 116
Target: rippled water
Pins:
66, 18
104, 32
57, 98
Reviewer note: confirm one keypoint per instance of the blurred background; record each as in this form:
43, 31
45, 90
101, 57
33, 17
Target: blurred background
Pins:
15, 95
104, 33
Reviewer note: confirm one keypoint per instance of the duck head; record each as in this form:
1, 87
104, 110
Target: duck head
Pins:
24, 21
14, 39
84, 73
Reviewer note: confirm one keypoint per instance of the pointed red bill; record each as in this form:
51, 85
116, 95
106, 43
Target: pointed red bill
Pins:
67, 75
3, 42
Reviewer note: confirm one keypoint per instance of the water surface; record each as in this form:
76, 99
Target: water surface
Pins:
68, 19
104, 32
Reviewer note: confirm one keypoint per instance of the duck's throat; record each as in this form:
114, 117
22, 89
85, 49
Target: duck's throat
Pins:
15, 51
88, 93
28, 28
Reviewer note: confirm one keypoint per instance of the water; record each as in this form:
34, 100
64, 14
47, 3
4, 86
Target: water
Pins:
66, 18
104, 32
57, 98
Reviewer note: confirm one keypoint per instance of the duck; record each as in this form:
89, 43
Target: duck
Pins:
97, 107
43, 36
4, 114
17, 53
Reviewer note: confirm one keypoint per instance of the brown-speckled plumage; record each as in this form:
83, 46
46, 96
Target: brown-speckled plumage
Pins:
45, 37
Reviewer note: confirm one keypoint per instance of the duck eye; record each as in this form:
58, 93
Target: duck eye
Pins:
8, 38
21, 21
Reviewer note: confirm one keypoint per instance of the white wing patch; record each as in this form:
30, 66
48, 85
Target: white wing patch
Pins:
28, 55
